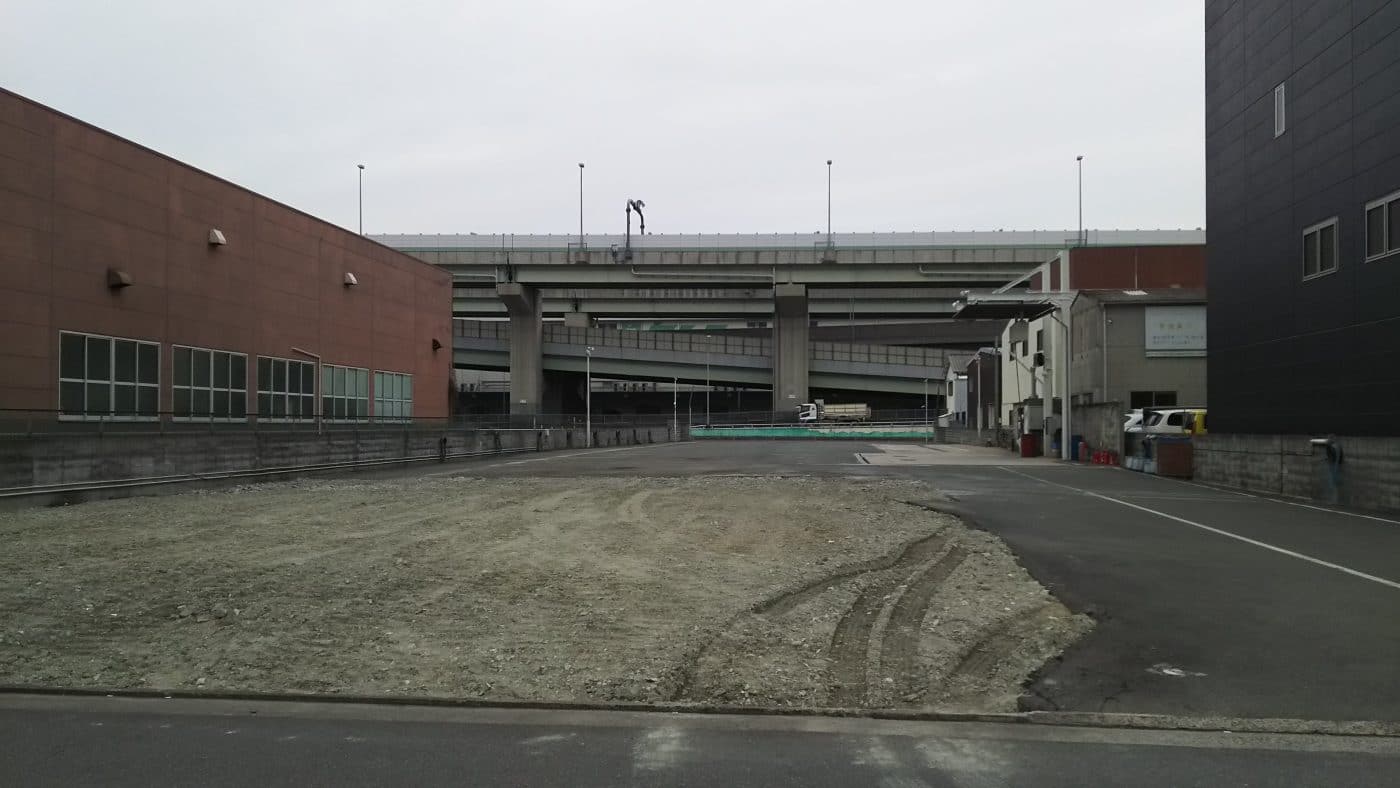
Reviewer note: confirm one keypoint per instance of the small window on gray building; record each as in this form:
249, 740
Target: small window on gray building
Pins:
1383, 226
1280, 123
1151, 399
1320, 249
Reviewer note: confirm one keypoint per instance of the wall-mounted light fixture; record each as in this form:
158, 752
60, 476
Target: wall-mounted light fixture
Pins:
437, 345
216, 237
117, 279
350, 280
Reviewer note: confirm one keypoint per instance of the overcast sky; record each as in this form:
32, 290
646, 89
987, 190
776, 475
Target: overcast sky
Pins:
473, 116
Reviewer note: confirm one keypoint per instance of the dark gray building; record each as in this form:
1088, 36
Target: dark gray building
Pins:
1303, 215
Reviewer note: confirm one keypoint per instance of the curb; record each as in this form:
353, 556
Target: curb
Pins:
1069, 719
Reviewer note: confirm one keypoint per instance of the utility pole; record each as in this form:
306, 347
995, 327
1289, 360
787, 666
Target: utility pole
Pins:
828, 203
1080, 160
588, 395
580, 206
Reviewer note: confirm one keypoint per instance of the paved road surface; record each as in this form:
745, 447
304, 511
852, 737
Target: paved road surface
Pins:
1253, 631
128, 742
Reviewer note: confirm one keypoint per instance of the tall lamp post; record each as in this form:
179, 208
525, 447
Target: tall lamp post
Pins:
362, 198
828, 203
588, 395
580, 206
675, 394
1080, 161
707, 380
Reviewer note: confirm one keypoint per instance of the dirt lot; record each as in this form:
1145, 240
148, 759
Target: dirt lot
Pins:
739, 590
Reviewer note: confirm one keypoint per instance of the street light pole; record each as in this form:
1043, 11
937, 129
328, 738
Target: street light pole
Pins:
828, 203
580, 206
362, 198
1080, 160
707, 380
588, 395
675, 394
925, 403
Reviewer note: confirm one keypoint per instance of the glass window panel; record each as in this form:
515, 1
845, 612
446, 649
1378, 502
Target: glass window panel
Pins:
361, 409
182, 402
294, 377
339, 405
237, 405
378, 384
99, 398
362, 383
221, 370
238, 371
70, 397
147, 400
294, 407
71, 358
407, 387
339, 382
182, 367
1309, 254
326, 375
1375, 231
264, 376
199, 402
264, 404
200, 368
308, 378
148, 363
221, 404
1394, 224
326, 406
125, 369
279, 376
1327, 239
306, 408
279, 406
124, 398
99, 359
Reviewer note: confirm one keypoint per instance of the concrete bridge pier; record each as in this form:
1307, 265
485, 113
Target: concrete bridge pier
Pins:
791, 325
526, 346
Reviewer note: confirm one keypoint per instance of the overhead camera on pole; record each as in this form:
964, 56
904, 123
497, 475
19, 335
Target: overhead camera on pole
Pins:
625, 256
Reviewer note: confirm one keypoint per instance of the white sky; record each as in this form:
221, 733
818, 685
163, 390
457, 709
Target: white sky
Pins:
472, 116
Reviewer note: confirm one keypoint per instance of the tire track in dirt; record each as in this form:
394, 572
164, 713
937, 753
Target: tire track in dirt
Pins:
979, 664
899, 651
856, 632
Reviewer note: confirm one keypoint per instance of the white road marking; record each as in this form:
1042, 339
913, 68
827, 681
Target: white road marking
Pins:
659, 748
1192, 523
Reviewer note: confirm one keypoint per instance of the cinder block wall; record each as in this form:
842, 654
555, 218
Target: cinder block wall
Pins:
57, 459
1368, 477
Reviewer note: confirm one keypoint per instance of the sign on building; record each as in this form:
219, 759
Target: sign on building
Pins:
1176, 330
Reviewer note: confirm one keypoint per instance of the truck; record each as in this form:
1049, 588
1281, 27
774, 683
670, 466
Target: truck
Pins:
809, 412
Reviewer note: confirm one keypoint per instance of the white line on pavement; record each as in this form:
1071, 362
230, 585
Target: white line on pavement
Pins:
1245, 539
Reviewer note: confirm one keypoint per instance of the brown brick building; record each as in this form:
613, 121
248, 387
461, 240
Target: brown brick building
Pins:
132, 284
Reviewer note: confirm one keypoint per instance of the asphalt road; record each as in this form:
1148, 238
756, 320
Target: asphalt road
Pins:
64, 741
1191, 621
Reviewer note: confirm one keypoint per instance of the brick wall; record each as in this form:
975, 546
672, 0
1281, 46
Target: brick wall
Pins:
1368, 477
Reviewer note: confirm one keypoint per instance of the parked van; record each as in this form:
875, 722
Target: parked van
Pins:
1170, 421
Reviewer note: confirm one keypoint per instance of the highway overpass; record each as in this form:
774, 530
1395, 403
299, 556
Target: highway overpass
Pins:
790, 279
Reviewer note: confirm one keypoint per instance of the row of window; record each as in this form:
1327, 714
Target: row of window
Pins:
1320, 254
110, 377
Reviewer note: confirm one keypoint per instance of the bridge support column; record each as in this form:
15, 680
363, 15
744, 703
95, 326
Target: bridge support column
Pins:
526, 346
790, 346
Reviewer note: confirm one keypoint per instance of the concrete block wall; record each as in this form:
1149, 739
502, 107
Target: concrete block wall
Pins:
1101, 425
72, 459
1368, 477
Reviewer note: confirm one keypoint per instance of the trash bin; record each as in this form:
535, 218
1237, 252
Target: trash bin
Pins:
1174, 457
1029, 445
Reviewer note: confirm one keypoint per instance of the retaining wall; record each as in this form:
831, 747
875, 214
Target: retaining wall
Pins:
71, 459
1367, 478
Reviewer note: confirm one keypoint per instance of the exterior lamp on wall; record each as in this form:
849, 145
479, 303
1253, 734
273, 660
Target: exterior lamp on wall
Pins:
117, 279
350, 280
216, 237
437, 345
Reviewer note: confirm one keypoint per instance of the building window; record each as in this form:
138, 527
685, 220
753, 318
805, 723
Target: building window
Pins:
286, 389
209, 384
1280, 122
1320, 249
344, 393
107, 378
393, 396
1151, 399
1383, 226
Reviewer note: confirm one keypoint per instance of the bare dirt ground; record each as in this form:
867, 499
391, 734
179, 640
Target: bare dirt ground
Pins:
736, 590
